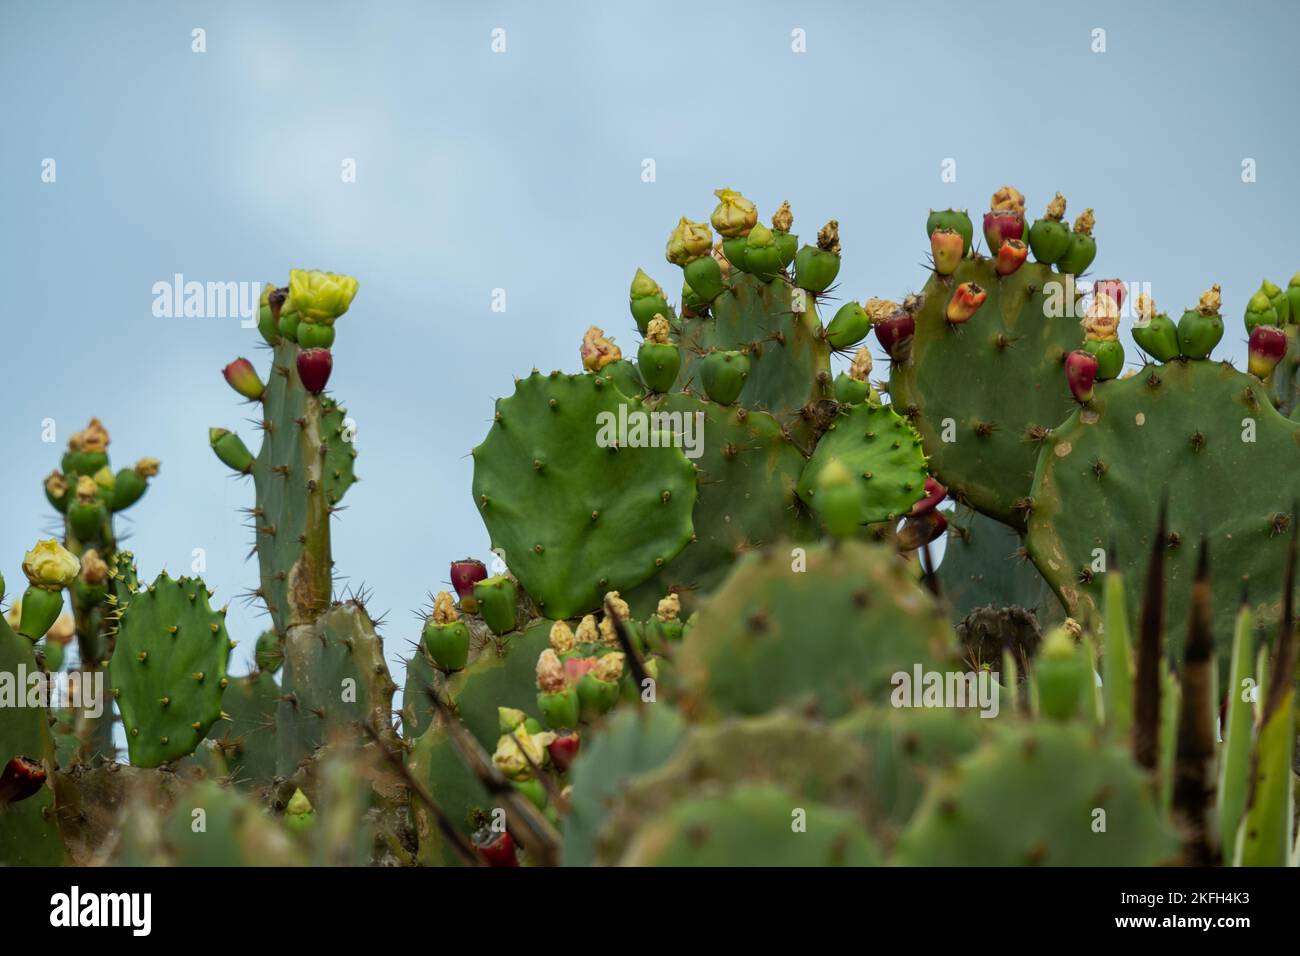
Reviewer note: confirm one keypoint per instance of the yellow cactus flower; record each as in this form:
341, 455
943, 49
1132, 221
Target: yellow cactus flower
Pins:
688, 242
50, 565
598, 351
519, 751
735, 214
320, 297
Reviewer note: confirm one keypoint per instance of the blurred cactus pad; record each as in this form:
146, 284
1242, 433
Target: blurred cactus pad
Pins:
937, 575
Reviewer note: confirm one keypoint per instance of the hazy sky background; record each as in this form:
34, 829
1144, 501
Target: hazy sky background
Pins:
522, 171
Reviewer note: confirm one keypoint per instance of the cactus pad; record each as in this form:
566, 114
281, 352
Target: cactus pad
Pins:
754, 647
576, 519
993, 385
168, 669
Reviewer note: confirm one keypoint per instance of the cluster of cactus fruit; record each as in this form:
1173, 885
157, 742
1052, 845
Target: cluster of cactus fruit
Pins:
716, 634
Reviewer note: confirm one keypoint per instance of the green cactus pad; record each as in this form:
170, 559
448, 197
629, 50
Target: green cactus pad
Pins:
1031, 798
883, 454
575, 519
334, 675
1171, 430
789, 360
634, 741
29, 832
754, 825
997, 377
168, 670
752, 647
247, 737
985, 565
746, 475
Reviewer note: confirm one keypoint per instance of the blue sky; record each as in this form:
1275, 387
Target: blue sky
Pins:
522, 171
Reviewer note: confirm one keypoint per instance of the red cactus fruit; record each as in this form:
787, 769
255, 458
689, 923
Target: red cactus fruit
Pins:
496, 849
314, 367
965, 302
934, 493
564, 750
1267, 347
895, 334
242, 377
1001, 225
21, 778
1081, 373
465, 573
946, 246
1011, 257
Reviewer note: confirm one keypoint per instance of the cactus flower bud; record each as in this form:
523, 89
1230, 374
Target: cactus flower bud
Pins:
242, 377
1101, 323
51, 566
1010, 198
509, 718
94, 571
1268, 345
735, 215
762, 255
104, 480
965, 302
561, 638
587, 632
320, 297
688, 242
1260, 311
598, 351
314, 367
551, 677
1081, 373
646, 300
610, 667
783, 218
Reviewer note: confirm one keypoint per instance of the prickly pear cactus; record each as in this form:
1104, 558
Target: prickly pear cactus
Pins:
576, 512
1168, 433
984, 393
754, 646
1047, 795
168, 669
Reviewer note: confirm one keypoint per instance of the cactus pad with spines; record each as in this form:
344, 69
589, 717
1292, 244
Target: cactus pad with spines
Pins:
1032, 798
746, 473
576, 519
997, 377
168, 670
753, 648
882, 453
1169, 431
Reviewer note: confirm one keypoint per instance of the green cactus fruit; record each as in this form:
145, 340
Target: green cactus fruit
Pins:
596, 696
1082, 248
849, 391
1102, 473
658, 364
40, 609
314, 335
1110, 357
838, 499
287, 326
448, 643
734, 249
990, 808
566, 538
559, 709
955, 219
646, 300
1260, 311
704, 276
787, 245
815, 267
692, 303
752, 650
882, 453
129, 487
299, 814
1293, 299
533, 789
269, 652
1277, 297
1198, 333
497, 603
1062, 676
1158, 337
232, 451
762, 255
168, 668
849, 326
982, 435
723, 375
1049, 239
